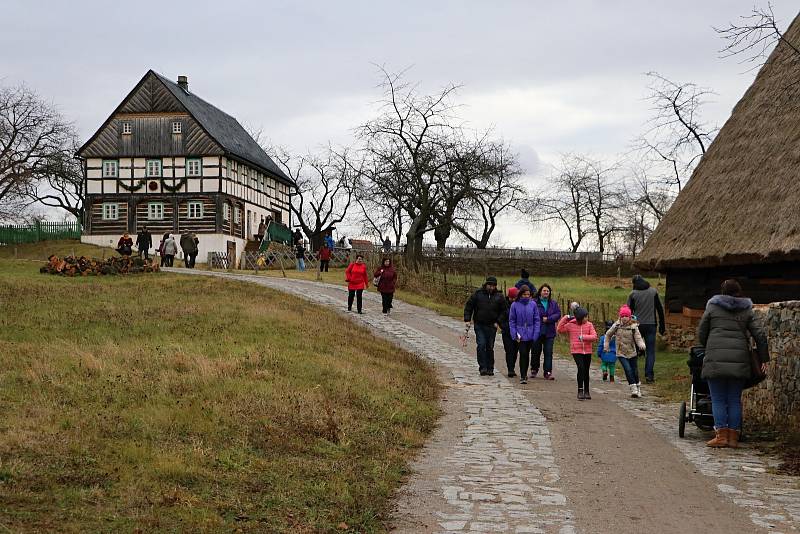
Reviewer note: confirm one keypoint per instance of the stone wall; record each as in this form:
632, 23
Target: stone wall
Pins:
776, 401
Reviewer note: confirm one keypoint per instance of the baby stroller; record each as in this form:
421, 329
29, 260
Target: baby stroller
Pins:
698, 410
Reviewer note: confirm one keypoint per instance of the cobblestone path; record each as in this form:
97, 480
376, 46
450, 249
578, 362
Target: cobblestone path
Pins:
491, 466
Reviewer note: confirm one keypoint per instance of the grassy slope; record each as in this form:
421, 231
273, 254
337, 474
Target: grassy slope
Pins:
167, 403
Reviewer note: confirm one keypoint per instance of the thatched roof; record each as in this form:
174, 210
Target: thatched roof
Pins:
742, 204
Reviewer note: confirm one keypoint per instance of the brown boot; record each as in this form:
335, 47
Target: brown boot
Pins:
733, 438
720, 440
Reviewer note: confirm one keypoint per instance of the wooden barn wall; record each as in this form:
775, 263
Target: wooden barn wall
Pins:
763, 283
151, 96
167, 224
99, 226
205, 224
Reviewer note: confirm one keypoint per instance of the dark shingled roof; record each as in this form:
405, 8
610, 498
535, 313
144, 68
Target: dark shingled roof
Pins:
741, 205
225, 129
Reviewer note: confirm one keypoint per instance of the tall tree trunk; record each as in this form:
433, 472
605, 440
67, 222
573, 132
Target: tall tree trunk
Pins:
441, 234
416, 231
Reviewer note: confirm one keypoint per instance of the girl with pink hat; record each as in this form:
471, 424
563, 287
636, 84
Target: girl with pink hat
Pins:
629, 345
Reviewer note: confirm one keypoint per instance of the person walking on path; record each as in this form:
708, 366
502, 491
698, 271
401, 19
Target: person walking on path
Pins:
608, 358
189, 248
510, 346
525, 281
483, 310
161, 249
324, 258
629, 344
300, 256
385, 280
125, 245
387, 245
581, 336
143, 243
724, 331
645, 305
550, 313
356, 277
170, 249
297, 237
525, 324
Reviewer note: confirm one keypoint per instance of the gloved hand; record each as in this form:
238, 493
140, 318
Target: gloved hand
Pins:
662, 329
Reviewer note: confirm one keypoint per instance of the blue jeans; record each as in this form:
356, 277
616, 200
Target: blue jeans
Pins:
631, 368
543, 343
726, 402
648, 332
484, 337
301, 264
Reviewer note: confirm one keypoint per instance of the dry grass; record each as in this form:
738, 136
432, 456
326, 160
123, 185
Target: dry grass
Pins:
167, 403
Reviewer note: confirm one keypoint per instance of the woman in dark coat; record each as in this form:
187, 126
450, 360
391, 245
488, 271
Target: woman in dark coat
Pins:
387, 278
725, 331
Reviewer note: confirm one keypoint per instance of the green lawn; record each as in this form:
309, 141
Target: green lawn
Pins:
167, 403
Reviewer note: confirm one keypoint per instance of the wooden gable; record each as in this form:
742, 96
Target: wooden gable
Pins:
150, 108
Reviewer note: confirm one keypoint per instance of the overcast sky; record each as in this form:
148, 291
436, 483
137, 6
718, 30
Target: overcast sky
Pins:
550, 77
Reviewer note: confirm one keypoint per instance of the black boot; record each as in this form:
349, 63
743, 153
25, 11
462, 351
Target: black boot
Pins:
580, 394
586, 395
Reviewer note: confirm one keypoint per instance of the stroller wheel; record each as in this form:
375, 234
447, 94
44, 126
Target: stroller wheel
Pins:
682, 420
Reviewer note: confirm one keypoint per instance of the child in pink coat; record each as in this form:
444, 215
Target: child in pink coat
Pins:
582, 336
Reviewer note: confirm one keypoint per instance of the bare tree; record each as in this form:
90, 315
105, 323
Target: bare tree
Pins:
31, 133
61, 183
602, 195
325, 186
754, 36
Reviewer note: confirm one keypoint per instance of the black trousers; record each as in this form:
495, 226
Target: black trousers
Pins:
524, 357
323, 265
358, 294
510, 346
583, 361
168, 259
387, 301
192, 260
144, 252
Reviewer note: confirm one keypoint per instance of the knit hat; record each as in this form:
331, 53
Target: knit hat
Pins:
513, 292
573, 306
625, 311
581, 313
490, 280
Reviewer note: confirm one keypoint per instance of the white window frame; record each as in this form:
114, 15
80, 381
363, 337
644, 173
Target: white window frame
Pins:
195, 206
110, 164
110, 211
155, 211
189, 164
160, 169
226, 212
127, 128
237, 215
176, 127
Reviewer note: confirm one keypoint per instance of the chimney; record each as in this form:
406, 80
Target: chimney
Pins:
183, 83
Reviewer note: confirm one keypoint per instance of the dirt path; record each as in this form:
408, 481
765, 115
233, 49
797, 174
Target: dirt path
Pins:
512, 458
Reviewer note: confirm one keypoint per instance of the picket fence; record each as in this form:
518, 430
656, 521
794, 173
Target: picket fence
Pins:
39, 231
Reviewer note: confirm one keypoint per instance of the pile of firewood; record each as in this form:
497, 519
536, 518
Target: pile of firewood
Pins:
83, 266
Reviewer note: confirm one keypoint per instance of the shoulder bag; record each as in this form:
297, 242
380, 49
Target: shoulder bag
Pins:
756, 376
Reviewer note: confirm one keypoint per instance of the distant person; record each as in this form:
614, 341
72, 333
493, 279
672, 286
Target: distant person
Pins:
324, 258
356, 277
725, 331
189, 248
525, 280
161, 249
582, 335
483, 310
510, 346
385, 281
629, 343
550, 313
125, 245
329, 241
262, 227
143, 243
193, 256
297, 237
170, 250
300, 256
387, 245
608, 358
525, 323
645, 305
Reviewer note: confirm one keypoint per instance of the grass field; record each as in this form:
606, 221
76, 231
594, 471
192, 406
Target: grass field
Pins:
167, 403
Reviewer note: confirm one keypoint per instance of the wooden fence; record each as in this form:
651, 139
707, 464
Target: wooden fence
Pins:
39, 231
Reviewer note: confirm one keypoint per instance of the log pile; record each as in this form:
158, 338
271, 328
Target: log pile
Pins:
83, 266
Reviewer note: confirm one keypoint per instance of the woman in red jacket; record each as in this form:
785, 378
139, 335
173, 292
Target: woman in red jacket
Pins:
386, 278
356, 277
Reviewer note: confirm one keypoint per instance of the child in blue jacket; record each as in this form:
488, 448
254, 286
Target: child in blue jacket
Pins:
608, 359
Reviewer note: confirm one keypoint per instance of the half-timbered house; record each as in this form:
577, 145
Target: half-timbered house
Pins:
169, 160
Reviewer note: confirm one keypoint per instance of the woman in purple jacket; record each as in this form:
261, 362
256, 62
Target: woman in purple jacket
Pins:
550, 314
524, 323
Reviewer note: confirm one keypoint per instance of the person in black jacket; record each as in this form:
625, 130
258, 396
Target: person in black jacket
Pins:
510, 344
646, 306
143, 242
483, 310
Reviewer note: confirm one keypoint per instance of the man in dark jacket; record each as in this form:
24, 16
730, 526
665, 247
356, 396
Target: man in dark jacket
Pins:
484, 309
143, 242
189, 247
510, 345
725, 331
645, 305
525, 280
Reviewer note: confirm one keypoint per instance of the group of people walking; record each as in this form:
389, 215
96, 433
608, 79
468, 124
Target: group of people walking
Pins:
167, 247
384, 278
530, 320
